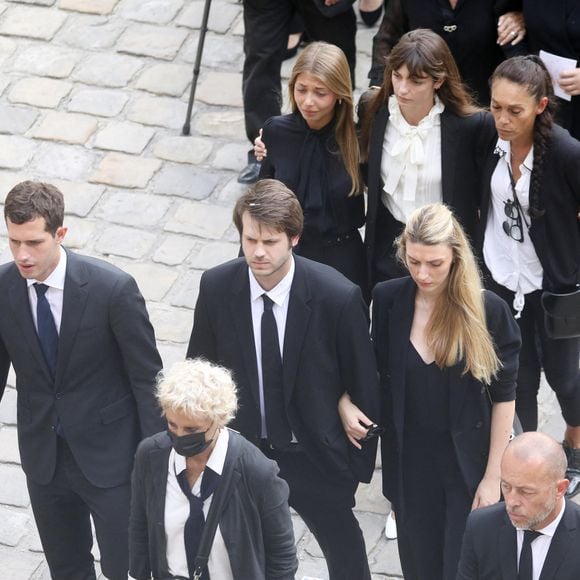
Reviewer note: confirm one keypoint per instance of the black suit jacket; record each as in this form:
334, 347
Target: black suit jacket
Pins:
489, 549
102, 393
327, 351
556, 234
464, 143
256, 524
469, 403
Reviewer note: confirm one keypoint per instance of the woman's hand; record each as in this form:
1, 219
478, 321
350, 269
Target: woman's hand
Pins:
487, 493
569, 81
260, 151
352, 417
510, 28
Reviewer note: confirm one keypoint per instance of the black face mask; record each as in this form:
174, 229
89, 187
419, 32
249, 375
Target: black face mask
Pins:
190, 444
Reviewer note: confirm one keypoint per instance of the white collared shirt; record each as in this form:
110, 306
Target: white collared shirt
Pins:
54, 294
514, 265
280, 295
540, 545
177, 512
411, 161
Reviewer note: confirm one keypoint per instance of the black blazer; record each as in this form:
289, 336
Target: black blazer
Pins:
489, 549
107, 363
256, 524
470, 409
555, 235
464, 142
327, 351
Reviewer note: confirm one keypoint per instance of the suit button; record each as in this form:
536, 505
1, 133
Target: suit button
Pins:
59, 395
479, 425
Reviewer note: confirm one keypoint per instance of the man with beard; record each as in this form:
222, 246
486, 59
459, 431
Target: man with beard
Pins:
535, 532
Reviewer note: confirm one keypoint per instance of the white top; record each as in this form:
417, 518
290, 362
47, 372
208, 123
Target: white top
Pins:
177, 512
54, 294
280, 296
514, 265
540, 545
411, 161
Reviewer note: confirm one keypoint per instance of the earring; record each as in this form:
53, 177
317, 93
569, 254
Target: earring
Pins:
340, 101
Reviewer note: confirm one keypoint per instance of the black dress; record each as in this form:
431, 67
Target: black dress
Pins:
309, 163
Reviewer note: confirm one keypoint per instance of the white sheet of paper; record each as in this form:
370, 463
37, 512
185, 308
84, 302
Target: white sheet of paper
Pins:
555, 65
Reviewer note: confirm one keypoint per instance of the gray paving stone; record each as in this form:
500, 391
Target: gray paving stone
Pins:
15, 152
199, 219
68, 127
172, 353
8, 449
152, 11
369, 497
212, 254
62, 161
223, 124
154, 280
125, 137
221, 88
35, 2
194, 150
229, 193
125, 170
101, 102
171, 324
133, 209
31, 22
221, 15
8, 407
39, 92
4, 82
13, 490
16, 120
173, 250
165, 79
79, 197
161, 111
148, 40
185, 291
89, 6
385, 559
232, 156
7, 47
80, 232
91, 32
238, 28
218, 51
128, 242
18, 565
184, 181
110, 70
46, 60
14, 526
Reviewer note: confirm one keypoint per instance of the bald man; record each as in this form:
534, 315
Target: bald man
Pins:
498, 543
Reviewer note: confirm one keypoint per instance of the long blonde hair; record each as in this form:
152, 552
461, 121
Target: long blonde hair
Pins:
328, 63
457, 329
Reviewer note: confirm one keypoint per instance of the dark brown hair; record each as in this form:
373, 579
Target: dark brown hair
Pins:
29, 200
273, 205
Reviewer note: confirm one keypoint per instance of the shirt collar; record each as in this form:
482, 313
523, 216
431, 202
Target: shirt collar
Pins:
550, 529
432, 119
57, 276
503, 149
279, 293
215, 461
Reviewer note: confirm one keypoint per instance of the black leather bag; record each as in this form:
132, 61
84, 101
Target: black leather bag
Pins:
562, 314
335, 9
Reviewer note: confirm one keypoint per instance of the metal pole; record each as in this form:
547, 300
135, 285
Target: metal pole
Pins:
202, 31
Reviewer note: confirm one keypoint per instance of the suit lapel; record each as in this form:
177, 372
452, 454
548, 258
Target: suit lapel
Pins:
296, 326
564, 539
375, 156
449, 156
507, 542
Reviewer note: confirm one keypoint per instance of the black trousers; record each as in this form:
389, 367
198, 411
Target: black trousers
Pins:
325, 504
267, 25
559, 359
62, 510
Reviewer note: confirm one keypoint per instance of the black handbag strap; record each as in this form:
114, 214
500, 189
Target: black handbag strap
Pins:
218, 502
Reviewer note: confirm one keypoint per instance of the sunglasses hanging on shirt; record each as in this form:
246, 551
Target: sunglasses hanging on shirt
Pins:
514, 225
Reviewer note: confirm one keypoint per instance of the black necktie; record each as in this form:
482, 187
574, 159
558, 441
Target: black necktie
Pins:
526, 563
279, 433
196, 520
47, 334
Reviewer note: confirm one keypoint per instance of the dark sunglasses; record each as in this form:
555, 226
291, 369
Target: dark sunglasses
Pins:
514, 228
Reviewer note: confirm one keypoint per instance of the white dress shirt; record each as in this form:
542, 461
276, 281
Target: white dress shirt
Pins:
411, 161
177, 512
540, 545
280, 296
514, 265
54, 294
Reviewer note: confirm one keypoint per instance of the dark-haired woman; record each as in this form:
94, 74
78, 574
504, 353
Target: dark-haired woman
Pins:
531, 235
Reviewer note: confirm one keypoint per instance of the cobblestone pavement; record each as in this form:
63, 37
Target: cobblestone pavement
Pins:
93, 95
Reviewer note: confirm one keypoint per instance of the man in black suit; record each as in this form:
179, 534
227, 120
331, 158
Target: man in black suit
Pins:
288, 402
535, 534
79, 338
